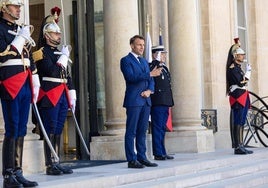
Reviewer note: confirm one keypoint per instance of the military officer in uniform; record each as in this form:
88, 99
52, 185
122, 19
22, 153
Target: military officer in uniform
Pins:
162, 100
57, 93
19, 86
236, 88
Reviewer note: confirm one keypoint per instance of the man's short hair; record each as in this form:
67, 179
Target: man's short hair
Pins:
132, 39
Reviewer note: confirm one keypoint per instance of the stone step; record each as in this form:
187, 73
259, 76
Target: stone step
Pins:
205, 177
215, 169
256, 180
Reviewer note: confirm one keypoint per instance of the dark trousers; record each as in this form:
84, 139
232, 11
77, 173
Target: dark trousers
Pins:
53, 118
136, 127
16, 112
159, 116
240, 114
237, 121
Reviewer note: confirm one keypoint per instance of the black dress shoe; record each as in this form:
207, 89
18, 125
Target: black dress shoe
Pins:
148, 163
135, 164
159, 157
169, 157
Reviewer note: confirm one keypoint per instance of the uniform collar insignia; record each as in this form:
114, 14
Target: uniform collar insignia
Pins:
7, 22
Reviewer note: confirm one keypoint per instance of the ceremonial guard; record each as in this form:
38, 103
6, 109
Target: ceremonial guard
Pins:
19, 86
236, 88
162, 100
57, 93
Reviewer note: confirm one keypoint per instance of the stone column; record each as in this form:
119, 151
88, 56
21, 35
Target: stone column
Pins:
258, 50
185, 65
120, 24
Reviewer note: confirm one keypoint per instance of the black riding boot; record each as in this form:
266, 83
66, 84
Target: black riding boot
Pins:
239, 147
18, 164
51, 168
242, 141
8, 156
64, 170
10, 180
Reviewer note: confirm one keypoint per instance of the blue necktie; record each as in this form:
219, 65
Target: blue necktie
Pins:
140, 60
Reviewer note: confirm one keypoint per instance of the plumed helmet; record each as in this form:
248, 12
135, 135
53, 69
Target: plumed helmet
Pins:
51, 27
239, 51
51, 21
236, 49
10, 2
55, 12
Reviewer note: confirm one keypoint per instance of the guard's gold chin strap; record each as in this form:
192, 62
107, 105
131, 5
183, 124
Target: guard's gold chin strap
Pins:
53, 41
238, 60
5, 8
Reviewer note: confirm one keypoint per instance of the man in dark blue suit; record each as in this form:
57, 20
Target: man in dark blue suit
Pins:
137, 101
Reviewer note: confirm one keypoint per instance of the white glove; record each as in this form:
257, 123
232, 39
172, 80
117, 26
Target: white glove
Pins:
248, 74
18, 43
248, 67
248, 71
25, 32
72, 97
66, 50
23, 36
63, 60
36, 87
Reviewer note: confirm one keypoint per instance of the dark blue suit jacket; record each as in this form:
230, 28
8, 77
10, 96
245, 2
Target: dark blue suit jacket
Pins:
137, 77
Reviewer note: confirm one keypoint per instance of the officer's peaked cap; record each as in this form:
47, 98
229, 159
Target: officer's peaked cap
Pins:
159, 48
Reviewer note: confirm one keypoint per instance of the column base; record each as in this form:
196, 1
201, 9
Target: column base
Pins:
107, 148
113, 147
198, 141
223, 135
33, 155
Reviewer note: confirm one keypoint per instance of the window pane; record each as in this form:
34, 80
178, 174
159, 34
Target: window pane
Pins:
241, 13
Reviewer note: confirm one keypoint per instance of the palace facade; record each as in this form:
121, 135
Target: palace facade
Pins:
197, 35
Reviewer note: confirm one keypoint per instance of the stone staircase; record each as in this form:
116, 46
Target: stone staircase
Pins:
204, 170
211, 172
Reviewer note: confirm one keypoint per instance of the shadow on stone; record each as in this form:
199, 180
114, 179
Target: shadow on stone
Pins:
89, 163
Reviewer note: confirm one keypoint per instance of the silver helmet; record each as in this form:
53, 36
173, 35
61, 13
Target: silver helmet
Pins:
51, 22
51, 27
238, 51
4, 3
